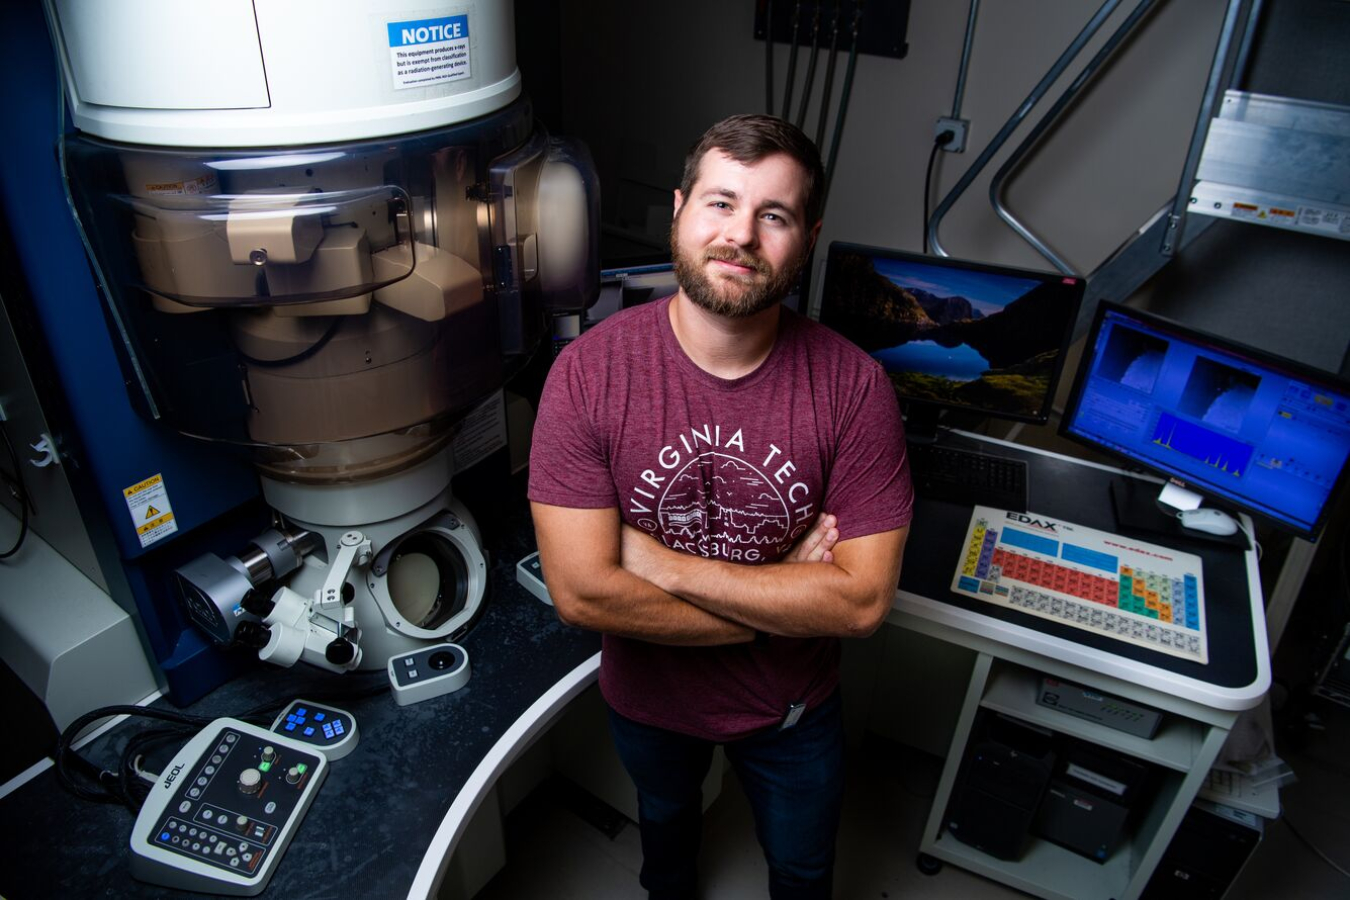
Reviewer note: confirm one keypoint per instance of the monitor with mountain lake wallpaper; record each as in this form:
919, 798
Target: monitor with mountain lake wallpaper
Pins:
953, 334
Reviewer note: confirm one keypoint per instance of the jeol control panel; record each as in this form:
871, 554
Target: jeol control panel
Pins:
223, 811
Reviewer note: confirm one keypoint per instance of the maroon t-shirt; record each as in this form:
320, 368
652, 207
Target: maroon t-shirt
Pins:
734, 470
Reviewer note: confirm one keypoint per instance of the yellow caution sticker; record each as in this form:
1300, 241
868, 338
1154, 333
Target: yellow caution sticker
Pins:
151, 512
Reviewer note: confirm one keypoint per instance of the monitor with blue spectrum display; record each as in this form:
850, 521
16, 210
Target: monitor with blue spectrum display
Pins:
1266, 434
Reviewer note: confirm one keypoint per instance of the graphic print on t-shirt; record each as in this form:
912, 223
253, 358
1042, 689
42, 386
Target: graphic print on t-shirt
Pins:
706, 496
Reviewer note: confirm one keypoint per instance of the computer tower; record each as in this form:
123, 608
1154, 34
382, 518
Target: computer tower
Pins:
1089, 800
1000, 786
1333, 681
1210, 848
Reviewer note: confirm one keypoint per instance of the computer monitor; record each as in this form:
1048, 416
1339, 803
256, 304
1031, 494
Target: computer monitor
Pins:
1266, 434
953, 334
622, 287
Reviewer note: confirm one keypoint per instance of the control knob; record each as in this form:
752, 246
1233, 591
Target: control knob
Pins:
250, 780
340, 651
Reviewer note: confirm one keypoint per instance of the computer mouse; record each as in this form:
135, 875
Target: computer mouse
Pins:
1210, 521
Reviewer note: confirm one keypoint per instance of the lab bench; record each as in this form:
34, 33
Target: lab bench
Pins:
387, 818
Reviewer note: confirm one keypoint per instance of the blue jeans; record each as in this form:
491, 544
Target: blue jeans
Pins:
793, 779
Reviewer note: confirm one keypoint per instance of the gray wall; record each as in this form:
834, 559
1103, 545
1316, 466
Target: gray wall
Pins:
639, 81
642, 81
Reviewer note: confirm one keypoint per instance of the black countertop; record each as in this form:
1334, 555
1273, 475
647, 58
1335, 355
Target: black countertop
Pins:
1071, 491
371, 821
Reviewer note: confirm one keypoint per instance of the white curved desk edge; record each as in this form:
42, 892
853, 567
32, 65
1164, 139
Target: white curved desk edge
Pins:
509, 746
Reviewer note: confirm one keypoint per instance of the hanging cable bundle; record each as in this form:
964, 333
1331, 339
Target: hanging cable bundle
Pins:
847, 92
792, 60
768, 56
810, 68
827, 93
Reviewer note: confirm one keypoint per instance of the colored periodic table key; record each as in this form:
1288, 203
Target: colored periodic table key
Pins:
1129, 590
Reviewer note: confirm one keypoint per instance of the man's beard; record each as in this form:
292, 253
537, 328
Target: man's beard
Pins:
731, 297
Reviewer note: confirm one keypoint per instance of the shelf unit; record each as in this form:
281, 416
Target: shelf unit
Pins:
1183, 750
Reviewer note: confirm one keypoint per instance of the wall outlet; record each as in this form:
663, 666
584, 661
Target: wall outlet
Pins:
958, 127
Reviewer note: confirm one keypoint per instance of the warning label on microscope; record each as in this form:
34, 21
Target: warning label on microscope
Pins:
151, 513
429, 51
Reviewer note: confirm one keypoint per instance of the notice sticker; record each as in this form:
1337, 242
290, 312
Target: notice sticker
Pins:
424, 52
151, 513
482, 433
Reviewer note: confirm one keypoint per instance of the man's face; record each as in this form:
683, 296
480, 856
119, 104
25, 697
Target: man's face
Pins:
740, 238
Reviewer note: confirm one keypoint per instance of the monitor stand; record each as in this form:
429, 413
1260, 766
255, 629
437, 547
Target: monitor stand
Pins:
921, 423
1137, 508
1135, 504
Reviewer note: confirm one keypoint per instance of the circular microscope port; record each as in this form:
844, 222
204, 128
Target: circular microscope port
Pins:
428, 580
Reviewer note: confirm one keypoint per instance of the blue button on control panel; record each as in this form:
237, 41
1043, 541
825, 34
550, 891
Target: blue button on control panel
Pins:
325, 727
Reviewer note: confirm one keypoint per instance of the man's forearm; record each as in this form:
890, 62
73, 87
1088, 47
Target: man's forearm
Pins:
779, 598
620, 603
580, 552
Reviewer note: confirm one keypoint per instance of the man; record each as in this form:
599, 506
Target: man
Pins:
684, 458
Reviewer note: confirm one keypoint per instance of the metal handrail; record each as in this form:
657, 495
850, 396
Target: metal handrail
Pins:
1015, 158
1176, 220
1039, 91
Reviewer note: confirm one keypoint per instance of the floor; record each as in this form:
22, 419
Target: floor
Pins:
554, 854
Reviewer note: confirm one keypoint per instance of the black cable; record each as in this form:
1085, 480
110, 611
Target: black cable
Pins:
810, 68
1345, 576
1313, 847
768, 56
109, 784
939, 142
825, 95
298, 357
265, 713
845, 94
21, 494
125, 785
1340, 620
131, 786
792, 60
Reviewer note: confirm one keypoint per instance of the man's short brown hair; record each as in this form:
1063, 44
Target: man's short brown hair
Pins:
750, 138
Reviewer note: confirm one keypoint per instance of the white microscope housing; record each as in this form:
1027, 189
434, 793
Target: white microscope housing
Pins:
328, 232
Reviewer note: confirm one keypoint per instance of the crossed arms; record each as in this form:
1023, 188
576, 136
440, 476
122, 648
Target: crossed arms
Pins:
607, 576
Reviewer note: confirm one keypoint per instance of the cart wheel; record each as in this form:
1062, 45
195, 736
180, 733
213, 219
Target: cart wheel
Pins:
928, 865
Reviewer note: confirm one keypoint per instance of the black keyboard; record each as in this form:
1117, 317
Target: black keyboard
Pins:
967, 477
